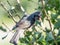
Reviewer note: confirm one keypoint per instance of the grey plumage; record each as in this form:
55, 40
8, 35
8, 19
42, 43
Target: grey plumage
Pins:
26, 22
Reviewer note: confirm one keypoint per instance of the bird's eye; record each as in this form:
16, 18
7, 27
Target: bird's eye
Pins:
36, 16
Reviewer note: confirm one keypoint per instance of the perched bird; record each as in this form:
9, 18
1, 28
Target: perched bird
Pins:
26, 22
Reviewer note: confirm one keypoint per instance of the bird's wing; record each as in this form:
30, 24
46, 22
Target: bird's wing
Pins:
24, 23
23, 18
20, 22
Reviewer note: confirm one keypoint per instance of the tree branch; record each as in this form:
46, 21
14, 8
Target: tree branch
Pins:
21, 7
6, 26
7, 32
8, 2
43, 6
8, 12
13, 9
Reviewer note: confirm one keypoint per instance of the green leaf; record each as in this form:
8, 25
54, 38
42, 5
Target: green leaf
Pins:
49, 37
37, 22
53, 18
57, 25
28, 33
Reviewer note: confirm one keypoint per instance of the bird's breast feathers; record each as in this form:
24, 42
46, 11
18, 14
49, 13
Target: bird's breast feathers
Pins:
24, 24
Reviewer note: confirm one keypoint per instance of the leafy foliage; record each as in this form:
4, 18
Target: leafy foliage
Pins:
38, 36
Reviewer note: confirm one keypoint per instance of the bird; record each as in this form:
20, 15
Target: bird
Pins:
24, 23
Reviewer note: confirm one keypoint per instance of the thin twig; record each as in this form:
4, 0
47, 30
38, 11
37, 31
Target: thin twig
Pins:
21, 7
8, 12
12, 17
18, 16
13, 9
19, 3
8, 2
7, 32
6, 26
48, 21
3, 6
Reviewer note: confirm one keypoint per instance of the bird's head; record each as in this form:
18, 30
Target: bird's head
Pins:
37, 15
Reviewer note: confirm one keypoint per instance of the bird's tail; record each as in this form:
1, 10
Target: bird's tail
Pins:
16, 36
